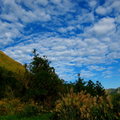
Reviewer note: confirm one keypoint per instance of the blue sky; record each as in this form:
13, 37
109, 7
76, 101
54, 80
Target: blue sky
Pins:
77, 36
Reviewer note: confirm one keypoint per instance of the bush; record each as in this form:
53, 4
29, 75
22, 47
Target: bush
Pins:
10, 106
116, 104
81, 106
30, 109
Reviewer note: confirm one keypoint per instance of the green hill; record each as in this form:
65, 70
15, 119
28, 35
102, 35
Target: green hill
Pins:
113, 91
10, 64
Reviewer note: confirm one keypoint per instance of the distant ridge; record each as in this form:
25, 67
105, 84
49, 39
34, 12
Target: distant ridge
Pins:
10, 64
113, 90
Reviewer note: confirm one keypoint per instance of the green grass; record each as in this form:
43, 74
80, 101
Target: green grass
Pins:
40, 117
10, 64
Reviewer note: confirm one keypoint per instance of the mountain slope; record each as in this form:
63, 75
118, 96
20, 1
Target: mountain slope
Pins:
113, 91
10, 64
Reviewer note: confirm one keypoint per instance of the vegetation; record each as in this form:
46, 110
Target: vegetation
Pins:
40, 117
38, 93
82, 106
10, 64
45, 85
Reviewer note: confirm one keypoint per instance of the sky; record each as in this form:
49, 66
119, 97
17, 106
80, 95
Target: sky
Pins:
77, 36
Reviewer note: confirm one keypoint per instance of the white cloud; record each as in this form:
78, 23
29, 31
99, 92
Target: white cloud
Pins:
104, 26
93, 3
101, 10
96, 68
56, 1
86, 74
8, 31
84, 39
67, 29
17, 12
107, 74
61, 51
108, 7
41, 2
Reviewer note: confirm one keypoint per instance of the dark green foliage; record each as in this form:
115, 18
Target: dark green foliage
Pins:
45, 86
80, 85
90, 88
100, 91
46, 116
116, 104
29, 111
99, 114
94, 89
8, 84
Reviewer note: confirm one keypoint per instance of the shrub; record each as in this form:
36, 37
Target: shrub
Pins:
3, 110
30, 109
10, 106
116, 104
21, 109
81, 106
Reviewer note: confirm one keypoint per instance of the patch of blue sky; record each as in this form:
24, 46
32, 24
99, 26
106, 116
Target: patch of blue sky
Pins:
78, 36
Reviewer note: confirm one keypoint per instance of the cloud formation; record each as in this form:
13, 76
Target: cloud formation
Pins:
77, 36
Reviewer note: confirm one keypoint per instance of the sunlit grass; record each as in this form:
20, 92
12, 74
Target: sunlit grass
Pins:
10, 64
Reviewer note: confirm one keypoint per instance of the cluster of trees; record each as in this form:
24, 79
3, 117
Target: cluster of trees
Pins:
94, 89
41, 84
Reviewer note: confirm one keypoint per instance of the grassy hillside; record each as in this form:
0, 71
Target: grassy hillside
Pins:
10, 64
113, 91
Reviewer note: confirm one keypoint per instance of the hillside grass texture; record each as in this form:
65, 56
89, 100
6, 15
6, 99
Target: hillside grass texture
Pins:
10, 64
